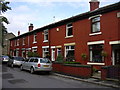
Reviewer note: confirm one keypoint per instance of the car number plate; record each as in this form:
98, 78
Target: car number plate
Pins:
46, 65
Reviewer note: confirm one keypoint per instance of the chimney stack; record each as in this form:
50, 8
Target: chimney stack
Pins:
31, 27
18, 33
94, 4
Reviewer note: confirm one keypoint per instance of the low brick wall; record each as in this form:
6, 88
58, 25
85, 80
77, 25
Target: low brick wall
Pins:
112, 72
84, 71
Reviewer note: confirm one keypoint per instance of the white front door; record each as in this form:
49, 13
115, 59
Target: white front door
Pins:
53, 54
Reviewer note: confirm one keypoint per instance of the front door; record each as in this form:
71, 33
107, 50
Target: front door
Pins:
117, 56
53, 55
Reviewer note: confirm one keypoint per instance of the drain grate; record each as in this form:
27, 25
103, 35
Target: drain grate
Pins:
16, 81
7, 76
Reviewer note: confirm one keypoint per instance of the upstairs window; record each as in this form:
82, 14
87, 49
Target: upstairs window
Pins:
95, 24
23, 41
69, 30
17, 42
45, 35
35, 38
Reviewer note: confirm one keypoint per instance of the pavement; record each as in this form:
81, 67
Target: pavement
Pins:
108, 82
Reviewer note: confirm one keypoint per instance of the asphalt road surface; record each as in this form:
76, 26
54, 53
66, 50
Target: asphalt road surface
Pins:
14, 78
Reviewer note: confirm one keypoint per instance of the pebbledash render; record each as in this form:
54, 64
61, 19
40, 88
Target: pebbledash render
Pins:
91, 38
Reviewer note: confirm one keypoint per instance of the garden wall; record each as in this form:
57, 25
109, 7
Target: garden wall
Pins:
84, 71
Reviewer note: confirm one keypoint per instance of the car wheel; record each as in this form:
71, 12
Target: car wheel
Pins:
31, 70
12, 65
21, 67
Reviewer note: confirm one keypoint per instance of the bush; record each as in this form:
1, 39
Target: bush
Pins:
33, 54
59, 58
72, 63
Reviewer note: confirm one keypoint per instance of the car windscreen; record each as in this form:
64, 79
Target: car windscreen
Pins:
45, 60
5, 57
19, 58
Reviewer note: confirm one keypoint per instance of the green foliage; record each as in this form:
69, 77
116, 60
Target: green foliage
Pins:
72, 63
84, 56
95, 70
59, 58
33, 54
104, 54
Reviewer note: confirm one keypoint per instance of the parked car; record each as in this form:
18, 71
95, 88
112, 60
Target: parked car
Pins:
4, 58
15, 61
34, 64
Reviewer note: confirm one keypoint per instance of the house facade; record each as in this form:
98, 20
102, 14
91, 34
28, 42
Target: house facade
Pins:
94, 34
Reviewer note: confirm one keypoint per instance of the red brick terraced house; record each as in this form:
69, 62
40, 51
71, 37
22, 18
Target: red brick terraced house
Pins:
91, 33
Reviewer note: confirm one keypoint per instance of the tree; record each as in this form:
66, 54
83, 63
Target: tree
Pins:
3, 8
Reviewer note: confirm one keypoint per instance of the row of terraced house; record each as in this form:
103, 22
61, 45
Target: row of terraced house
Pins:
94, 34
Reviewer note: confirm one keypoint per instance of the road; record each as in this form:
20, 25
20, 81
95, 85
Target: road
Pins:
14, 78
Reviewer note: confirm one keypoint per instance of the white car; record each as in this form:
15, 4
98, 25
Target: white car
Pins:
37, 64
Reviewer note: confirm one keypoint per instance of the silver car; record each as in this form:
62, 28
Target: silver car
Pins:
34, 64
15, 61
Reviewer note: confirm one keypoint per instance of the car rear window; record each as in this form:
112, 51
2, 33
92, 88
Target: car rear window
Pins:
44, 60
19, 58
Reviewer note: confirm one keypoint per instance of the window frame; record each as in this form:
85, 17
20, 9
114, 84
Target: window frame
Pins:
67, 29
35, 38
46, 36
23, 41
95, 22
45, 50
92, 49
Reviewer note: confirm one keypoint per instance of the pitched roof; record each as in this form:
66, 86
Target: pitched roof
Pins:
85, 15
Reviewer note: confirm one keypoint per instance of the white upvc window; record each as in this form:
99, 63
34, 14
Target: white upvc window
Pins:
95, 26
45, 35
23, 41
69, 53
95, 53
35, 38
69, 30
17, 42
58, 51
45, 52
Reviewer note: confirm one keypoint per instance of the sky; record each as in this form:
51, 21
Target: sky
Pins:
44, 12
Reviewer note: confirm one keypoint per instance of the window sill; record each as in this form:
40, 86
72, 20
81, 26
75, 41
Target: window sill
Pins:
95, 63
45, 41
98, 33
69, 36
34, 42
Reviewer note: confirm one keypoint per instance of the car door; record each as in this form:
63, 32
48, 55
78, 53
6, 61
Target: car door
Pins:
30, 63
25, 64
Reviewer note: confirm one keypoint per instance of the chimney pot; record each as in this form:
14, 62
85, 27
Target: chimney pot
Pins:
18, 33
31, 27
94, 4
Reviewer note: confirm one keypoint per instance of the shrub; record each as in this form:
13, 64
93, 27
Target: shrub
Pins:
59, 58
84, 56
33, 54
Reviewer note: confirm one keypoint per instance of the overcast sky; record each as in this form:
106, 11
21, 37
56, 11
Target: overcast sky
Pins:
44, 12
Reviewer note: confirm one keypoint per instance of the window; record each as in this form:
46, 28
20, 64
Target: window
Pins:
69, 53
58, 51
35, 38
23, 41
36, 60
11, 43
69, 30
31, 60
34, 50
45, 52
17, 42
95, 24
95, 53
45, 35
